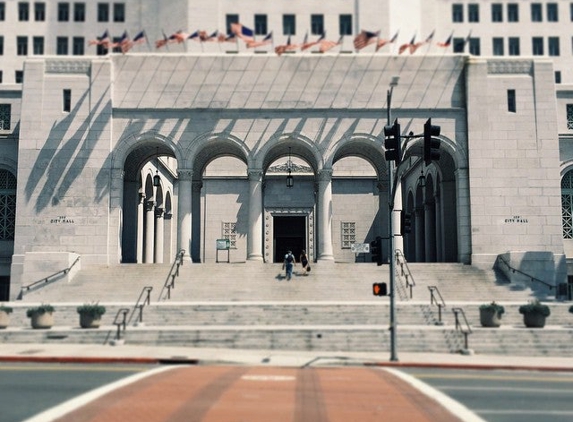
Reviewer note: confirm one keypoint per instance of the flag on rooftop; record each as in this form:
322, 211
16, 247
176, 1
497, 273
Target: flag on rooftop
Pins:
365, 38
227, 38
404, 47
446, 43
205, 37
162, 42
306, 44
104, 40
128, 44
179, 37
242, 32
194, 36
267, 40
382, 42
285, 47
417, 45
326, 45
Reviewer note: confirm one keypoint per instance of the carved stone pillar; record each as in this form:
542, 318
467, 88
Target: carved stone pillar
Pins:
149, 231
197, 185
255, 230
184, 211
325, 215
419, 227
140, 227
159, 235
430, 223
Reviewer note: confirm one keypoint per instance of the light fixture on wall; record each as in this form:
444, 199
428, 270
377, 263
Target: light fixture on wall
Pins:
156, 178
289, 179
422, 180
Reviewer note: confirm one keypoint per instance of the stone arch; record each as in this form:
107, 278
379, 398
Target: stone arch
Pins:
208, 147
365, 146
278, 146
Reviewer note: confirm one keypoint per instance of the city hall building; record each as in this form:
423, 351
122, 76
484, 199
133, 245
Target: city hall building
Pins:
239, 154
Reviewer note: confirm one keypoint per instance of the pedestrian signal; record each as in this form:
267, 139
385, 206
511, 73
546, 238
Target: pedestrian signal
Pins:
379, 289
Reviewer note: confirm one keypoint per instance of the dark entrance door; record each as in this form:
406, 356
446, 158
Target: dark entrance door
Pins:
289, 234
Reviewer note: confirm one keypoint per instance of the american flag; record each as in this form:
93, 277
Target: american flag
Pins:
242, 32
326, 45
404, 47
306, 45
286, 47
138, 39
227, 38
381, 43
104, 40
194, 36
417, 45
162, 42
179, 37
446, 43
267, 40
365, 38
203, 36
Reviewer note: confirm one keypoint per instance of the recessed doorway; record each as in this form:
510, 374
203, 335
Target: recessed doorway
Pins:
289, 233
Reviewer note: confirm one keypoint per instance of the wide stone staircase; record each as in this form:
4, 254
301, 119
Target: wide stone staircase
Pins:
252, 305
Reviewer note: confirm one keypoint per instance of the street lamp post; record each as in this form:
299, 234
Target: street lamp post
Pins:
393, 354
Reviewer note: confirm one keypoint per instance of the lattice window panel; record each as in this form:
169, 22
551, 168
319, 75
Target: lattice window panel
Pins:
567, 204
5, 116
7, 205
230, 232
569, 116
348, 233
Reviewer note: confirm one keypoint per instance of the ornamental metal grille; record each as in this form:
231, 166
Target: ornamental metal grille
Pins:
5, 116
348, 232
567, 205
7, 205
569, 116
230, 233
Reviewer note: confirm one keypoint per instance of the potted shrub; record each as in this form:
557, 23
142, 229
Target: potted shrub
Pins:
41, 316
90, 315
490, 314
5, 312
534, 314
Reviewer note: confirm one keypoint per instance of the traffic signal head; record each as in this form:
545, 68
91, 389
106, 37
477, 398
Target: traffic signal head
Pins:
431, 145
392, 143
376, 250
379, 289
405, 222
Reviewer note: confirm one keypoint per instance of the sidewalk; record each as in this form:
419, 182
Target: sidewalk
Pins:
87, 353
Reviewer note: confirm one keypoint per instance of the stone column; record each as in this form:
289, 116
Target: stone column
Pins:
419, 228
463, 216
140, 227
184, 211
149, 230
159, 235
440, 252
430, 223
255, 230
325, 215
197, 185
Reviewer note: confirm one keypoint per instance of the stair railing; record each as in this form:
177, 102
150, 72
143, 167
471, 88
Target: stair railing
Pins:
515, 270
120, 321
45, 280
405, 271
437, 299
143, 299
173, 272
464, 328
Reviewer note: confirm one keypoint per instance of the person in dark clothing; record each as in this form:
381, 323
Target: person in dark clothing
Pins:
288, 264
304, 262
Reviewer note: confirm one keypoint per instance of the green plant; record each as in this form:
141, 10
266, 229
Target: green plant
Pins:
6, 309
499, 309
93, 310
42, 309
535, 307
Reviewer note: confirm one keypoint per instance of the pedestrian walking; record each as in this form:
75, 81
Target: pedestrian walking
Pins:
304, 262
288, 264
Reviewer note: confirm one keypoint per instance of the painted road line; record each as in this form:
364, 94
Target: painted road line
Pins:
452, 405
77, 402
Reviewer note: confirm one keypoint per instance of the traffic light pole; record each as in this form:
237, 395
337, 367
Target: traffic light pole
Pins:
393, 354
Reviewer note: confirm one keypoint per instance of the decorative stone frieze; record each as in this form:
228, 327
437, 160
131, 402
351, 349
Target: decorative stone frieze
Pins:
68, 66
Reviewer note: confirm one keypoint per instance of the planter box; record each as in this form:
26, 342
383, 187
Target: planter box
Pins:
4, 319
42, 321
534, 320
489, 317
88, 321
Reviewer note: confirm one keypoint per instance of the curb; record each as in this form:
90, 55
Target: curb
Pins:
470, 366
99, 360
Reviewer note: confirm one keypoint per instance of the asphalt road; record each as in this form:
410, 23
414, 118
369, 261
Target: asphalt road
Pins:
506, 396
28, 389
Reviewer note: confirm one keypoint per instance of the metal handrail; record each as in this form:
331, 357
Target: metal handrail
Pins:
120, 323
173, 272
466, 329
410, 283
139, 305
437, 299
515, 270
45, 280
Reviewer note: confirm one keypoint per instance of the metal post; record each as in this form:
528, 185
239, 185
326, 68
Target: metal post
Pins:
393, 355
